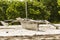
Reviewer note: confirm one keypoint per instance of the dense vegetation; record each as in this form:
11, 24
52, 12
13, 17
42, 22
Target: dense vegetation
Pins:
37, 9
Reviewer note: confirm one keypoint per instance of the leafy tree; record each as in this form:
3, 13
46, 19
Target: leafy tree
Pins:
52, 7
37, 10
3, 7
15, 9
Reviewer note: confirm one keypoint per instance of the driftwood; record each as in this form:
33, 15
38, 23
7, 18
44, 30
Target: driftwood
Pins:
32, 24
4, 24
28, 24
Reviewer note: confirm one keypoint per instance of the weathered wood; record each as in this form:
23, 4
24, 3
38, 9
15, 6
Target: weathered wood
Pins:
19, 33
4, 24
37, 37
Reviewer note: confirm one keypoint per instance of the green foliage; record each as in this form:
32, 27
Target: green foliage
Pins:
11, 11
3, 7
37, 9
